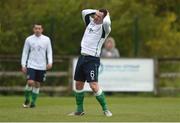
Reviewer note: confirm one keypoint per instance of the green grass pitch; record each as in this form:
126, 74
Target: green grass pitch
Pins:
124, 109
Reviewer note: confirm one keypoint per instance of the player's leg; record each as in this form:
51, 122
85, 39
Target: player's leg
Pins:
35, 93
79, 85
79, 95
28, 92
91, 70
40, 76
100, 97
28, 87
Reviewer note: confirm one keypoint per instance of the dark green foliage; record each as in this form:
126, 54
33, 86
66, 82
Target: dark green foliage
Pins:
158, 24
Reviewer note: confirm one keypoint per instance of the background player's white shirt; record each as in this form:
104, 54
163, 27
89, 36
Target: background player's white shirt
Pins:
36, 52
95, 34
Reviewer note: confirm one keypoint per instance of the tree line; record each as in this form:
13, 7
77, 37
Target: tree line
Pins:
151, 26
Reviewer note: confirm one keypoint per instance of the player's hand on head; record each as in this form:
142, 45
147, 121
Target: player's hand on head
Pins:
24, 69
108, 13
49, 66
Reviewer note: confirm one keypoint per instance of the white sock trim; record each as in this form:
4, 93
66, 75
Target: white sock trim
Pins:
35, 90
28, 88
98, 93
79, 91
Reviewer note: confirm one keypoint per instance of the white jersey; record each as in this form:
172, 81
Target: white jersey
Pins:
37, 52
95, 34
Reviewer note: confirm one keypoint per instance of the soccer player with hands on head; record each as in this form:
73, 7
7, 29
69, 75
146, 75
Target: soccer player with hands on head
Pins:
98, 27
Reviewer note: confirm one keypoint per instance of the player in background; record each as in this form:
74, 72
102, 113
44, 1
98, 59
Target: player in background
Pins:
36, 59
98, 27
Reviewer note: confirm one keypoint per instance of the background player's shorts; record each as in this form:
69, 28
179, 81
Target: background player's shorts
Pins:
87, 69
36, 75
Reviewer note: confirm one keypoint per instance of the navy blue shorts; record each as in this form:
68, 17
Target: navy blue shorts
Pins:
87, 69
36, 75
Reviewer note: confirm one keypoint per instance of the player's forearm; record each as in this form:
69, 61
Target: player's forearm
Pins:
23, 65
49, 53
107, 24
88, 11
50, 59
50, 56
23, 60
25, 54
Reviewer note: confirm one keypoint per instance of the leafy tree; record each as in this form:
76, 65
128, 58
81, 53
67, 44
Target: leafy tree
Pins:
158, 24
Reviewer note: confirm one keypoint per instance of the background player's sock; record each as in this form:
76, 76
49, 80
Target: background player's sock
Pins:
79, 100
35, 93
27, 93
101, 99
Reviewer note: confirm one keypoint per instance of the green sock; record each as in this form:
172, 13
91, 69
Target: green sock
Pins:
34, 97
27, 92
27, 95
102, 101
35, 94
79, 101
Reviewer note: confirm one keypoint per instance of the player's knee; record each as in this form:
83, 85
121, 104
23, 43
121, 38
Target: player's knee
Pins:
79, 85
30, 82
94, 87
37, 84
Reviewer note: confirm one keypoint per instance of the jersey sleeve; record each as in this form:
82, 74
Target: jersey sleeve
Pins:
86, 15
49, 52
107, 24
25, 53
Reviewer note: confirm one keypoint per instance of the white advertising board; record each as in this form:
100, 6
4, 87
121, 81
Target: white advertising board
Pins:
124, 75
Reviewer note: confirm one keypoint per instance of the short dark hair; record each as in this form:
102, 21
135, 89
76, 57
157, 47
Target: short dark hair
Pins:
104, 11
37, 23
